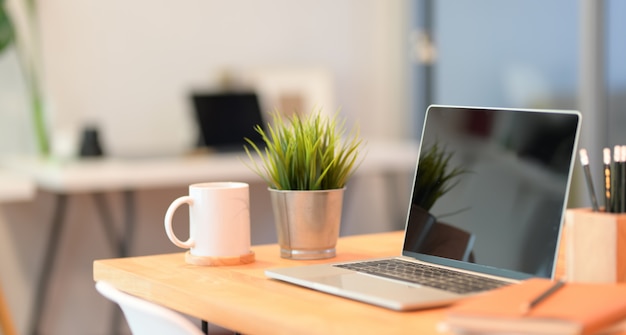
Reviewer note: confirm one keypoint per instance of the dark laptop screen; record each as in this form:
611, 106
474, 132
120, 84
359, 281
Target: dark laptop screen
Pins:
504, 205
226, 118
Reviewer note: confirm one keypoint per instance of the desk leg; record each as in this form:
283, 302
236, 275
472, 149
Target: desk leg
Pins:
205, 328
107, 222
125, 242
116, 243
129, 223
120, 244
49, 258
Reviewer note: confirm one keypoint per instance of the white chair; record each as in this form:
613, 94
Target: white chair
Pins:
147, 318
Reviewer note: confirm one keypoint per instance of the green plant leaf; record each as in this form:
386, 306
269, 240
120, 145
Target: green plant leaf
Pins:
7, 32
305, 152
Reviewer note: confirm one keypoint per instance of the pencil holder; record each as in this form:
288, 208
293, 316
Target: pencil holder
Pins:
595, 246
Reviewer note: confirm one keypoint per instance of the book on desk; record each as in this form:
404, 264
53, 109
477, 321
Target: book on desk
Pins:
575, 308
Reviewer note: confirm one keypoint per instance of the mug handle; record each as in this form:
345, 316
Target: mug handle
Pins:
168, 222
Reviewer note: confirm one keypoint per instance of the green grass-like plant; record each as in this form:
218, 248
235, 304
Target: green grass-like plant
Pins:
435, 176
28, 62
306, 152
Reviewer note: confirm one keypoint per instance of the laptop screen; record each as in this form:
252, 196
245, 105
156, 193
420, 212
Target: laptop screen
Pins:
491, 188
226, 118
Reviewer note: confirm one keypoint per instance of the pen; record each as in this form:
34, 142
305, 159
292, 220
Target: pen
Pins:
543, 296
607, 179
584, 159
622, 180
615, 180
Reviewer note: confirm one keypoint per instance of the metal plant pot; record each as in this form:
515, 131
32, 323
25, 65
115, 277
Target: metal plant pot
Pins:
307, 222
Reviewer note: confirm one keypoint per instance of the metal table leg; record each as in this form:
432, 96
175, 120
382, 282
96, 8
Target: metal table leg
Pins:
126, 242
107, 222
120, 244
51, 250
115, 243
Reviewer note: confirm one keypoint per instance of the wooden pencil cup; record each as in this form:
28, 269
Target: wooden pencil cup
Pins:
595, 244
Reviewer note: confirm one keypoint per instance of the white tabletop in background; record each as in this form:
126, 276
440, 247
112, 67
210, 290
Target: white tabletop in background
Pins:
15, 187
109, 174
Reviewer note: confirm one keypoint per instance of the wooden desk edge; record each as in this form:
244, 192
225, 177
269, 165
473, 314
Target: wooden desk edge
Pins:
252, 287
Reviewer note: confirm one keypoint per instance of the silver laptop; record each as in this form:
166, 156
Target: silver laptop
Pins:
499, 221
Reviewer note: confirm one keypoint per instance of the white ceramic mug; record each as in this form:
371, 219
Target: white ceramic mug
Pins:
219, 221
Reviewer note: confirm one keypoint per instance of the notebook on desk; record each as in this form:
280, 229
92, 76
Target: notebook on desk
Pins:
499, 222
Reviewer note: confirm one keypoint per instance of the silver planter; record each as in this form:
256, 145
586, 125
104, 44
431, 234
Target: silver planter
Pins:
307, 222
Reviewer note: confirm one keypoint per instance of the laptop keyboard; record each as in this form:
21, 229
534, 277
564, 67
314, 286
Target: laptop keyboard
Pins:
432, 276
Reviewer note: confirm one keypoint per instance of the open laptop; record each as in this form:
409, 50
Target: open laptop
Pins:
499, 223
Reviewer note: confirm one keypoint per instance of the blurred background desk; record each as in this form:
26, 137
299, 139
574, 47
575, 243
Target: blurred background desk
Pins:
15, 187
105, 174
97, 176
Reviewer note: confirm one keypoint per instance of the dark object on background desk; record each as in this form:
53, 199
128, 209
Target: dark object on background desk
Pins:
90, 143
226, 118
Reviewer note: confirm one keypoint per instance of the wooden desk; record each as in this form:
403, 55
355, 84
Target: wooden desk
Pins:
241, 298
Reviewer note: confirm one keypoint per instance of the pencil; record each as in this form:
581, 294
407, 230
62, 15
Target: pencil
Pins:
622, 207
584, 160
543, 296
607, 179
615, 178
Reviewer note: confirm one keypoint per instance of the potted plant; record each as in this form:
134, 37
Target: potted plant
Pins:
307, 161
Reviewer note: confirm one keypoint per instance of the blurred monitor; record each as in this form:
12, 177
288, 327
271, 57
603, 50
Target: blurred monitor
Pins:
226, 118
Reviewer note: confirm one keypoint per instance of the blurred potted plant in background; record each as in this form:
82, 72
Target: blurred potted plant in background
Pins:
18, 28
307, 162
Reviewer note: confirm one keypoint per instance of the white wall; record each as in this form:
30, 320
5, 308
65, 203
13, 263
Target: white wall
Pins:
129, 65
